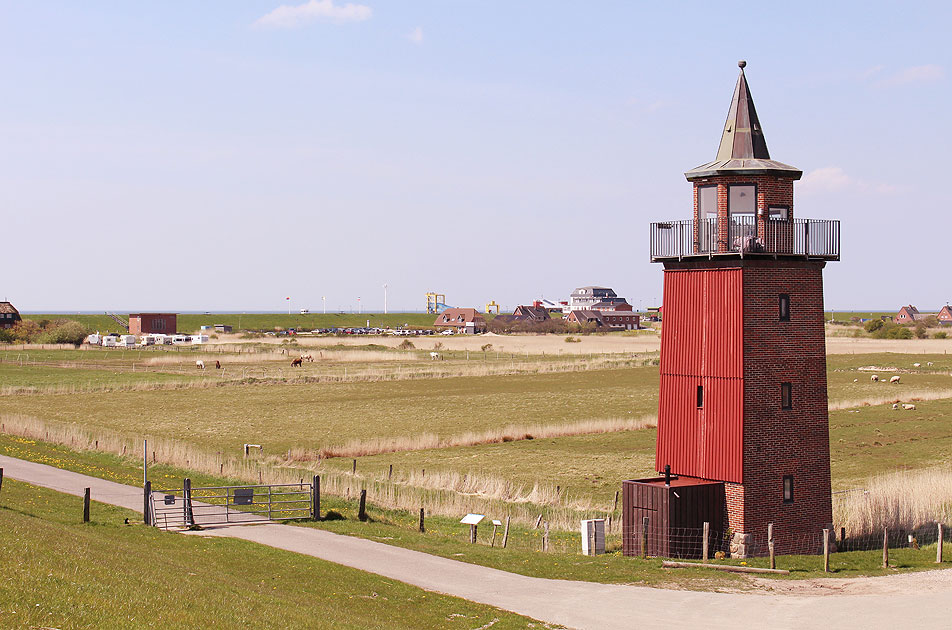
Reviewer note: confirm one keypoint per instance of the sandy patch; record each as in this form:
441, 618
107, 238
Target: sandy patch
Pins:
917, 582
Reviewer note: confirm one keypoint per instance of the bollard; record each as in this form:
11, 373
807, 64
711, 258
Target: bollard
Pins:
938, 551
86, 506
316, 498
644, 537
704, 543
422, 529
1, 478
826, 551
147, 503
885, 548
770, 546
362, 507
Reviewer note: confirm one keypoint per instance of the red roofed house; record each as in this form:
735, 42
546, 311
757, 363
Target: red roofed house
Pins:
461, 320
945, 315
907, 315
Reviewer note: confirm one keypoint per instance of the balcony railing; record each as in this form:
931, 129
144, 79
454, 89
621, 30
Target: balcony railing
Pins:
746, 236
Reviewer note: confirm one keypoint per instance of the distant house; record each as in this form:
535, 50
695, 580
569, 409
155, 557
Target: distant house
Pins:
533, 314
583, 317
907, 314
623, 305
585, 299
223, 328
461, 320
9, 315
150, 323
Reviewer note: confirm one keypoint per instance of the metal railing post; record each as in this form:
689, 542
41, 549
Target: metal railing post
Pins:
147, 503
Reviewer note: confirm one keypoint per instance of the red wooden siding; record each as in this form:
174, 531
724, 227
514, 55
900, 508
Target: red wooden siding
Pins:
702, 344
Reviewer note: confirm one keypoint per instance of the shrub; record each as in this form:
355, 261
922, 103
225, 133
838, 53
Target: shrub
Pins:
438, 345
25, 331
406, 345
69, 332
486, 347
921, 331
891, 330
572, 340
6, 336
940, 335
873, 325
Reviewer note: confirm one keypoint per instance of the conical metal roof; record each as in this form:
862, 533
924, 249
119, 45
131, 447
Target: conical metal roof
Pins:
743, 148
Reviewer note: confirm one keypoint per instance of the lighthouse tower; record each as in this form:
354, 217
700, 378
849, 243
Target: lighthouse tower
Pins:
742, 423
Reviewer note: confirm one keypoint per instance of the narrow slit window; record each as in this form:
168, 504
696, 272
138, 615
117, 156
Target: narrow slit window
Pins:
700, 396
788, 489
784, 307
786, 396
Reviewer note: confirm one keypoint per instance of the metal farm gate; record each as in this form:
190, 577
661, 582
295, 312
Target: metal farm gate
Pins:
188, 506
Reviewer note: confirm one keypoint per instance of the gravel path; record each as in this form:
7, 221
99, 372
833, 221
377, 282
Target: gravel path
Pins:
919, 600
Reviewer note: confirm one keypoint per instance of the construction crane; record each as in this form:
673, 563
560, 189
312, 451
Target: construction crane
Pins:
490, 306
436, 303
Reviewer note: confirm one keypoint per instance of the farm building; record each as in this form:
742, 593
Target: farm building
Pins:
606, 320
743, 396
461, 320
534, 313
148, 323
223, 328
9, 315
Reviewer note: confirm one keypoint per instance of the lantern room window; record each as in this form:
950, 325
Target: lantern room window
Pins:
742, 200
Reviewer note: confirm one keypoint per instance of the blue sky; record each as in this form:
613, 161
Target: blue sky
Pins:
224, 155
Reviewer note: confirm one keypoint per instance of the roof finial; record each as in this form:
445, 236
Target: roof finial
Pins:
742, 64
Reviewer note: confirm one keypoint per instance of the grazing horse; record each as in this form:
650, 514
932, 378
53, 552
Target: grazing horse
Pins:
297, 362
200, 364
217, 365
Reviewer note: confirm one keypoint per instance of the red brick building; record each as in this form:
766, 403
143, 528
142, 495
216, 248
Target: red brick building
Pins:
907, 315
743, 397
461, 320
945, 315
149, 323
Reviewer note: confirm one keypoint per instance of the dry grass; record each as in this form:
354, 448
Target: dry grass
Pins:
907, 500
271, 355
445, 493
907, 395
508, 433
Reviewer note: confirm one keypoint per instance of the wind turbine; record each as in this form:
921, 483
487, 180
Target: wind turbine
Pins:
385, 298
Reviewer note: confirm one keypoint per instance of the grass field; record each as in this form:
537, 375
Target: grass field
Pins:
444, 536
191, 322
480, 437
60, 573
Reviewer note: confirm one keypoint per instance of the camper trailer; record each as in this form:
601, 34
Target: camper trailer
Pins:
94, 339
127, 341
109, 341
199, 339
178, 340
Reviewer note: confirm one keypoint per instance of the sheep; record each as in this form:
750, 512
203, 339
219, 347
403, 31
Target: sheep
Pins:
200, 364
894, 379
908, 406
856, 380
916, 364
929, 364
874, 378
895, 406
436, 356
307, 358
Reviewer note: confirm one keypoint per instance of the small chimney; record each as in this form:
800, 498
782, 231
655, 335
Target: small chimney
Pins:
667, 474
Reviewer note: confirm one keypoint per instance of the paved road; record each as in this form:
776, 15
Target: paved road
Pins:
914, 600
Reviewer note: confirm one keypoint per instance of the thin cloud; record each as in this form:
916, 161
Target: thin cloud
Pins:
928, 73
287, 16
416, 35
833, 179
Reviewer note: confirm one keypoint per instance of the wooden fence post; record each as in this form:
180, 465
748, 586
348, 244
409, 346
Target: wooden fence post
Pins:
472, 534
316, 498
545, 537
86, 506
644, 537
826, 551
354, 470
422, 529
362, 509
1, 478
538, 521
885, 548
771, 546
615, 504
938, 551
147, 503
390, 474
505, 534
492, 543
704, 543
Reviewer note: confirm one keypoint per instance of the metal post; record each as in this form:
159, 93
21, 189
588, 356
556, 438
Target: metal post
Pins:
826, 551
704, 543
316, 498
145, 461
147, 503
86, 506
269, 503
1, 478
187, 502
